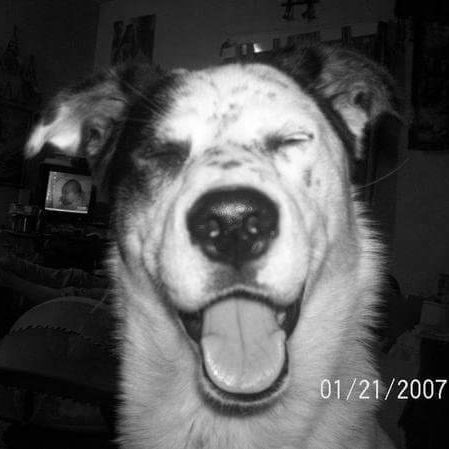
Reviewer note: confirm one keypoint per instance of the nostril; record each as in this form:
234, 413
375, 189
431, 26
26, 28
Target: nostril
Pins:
233, 226
253, 225
213, 228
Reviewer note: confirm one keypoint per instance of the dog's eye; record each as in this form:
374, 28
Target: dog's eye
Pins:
170, 149
276, 142
297, 138
170, 153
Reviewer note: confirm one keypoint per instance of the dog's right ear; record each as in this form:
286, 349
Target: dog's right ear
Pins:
85, 119
358, 89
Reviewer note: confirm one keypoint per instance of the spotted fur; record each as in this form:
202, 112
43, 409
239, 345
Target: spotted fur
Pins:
288, 128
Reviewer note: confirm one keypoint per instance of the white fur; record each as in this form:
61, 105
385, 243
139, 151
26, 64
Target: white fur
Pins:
63, 132
324, 244
322, 241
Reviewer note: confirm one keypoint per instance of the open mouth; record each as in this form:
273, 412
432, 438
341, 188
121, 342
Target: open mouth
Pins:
243, 343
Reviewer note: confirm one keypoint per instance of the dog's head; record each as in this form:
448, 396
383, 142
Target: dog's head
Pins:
232, 197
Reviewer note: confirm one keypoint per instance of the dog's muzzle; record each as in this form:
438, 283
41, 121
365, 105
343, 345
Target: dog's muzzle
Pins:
241, 333
233, 226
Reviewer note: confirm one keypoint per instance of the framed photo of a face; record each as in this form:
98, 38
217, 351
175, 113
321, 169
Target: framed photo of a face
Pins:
15, 122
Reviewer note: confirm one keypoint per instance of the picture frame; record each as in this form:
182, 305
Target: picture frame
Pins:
15, 124
133, 39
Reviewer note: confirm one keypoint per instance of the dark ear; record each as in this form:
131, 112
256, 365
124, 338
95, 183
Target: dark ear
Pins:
84, 119
359, 89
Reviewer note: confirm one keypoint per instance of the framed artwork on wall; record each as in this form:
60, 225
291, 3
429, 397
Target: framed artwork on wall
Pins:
133, 39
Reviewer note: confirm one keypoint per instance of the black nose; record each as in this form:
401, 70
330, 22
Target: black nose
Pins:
233, 226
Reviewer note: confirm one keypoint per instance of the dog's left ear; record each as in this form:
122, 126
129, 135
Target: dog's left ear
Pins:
84, 120
359, 89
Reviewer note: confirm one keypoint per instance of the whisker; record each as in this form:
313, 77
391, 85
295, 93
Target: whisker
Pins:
102, 301
387, 175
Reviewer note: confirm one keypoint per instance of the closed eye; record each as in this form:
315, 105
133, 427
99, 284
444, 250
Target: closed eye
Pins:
180, 149
277, 141
297, 138
168, 153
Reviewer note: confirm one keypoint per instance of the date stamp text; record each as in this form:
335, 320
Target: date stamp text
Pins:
364, 389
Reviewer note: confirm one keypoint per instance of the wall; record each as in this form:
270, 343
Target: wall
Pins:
422, 222
421, 239
190, 33
61, 35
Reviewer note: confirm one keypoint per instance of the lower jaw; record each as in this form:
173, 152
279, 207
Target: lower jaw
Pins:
238, 403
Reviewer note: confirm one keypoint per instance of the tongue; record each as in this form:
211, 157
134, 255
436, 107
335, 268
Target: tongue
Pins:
243, 346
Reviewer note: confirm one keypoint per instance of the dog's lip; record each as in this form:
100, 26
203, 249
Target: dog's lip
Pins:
193, 324
287, 316
245, 402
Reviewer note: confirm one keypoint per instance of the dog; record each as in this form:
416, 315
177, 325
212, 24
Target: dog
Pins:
246, 274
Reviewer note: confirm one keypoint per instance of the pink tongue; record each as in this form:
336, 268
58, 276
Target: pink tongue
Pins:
243, 345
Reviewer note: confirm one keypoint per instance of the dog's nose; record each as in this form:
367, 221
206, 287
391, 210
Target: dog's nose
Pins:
233, 226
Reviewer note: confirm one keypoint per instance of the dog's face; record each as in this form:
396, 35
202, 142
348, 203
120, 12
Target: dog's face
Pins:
240, 165
232, 192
